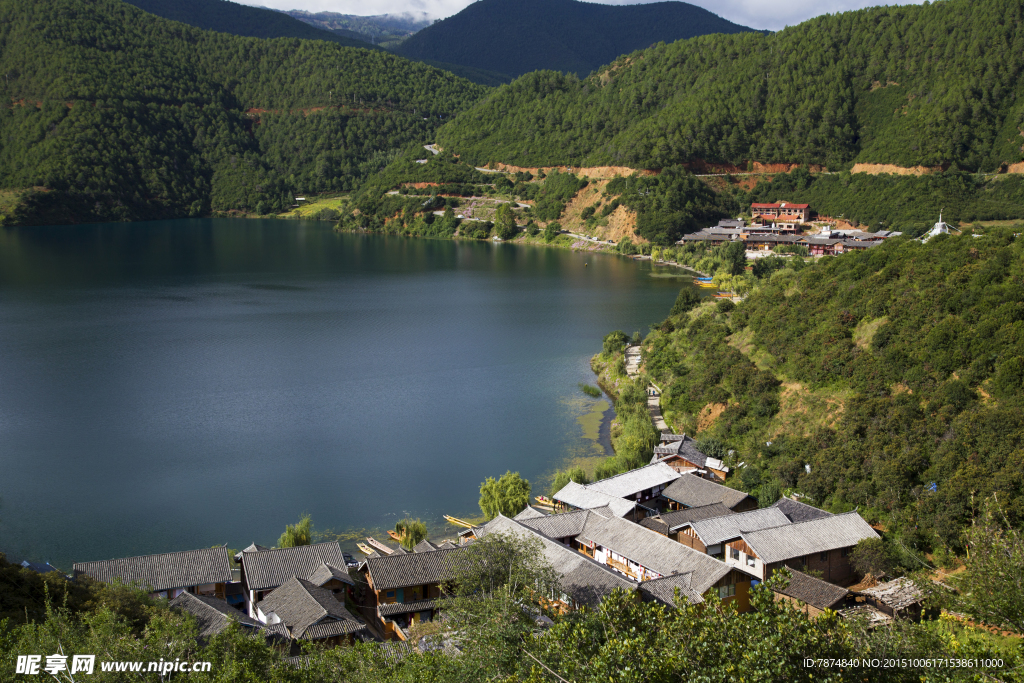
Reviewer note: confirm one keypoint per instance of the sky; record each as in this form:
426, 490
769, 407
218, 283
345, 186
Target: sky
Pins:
761, 14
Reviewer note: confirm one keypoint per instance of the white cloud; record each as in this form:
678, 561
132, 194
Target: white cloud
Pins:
763, 14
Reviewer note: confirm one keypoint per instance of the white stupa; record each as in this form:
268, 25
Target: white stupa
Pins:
940, 228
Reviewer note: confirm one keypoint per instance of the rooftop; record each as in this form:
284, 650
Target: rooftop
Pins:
799, 512
300, 606
806, 538
636, 481
718, 529
415, 569
812, 591
668, 522
213, 615
584, 497
897, 594
663, 590
693, 492
164, 571
265, 569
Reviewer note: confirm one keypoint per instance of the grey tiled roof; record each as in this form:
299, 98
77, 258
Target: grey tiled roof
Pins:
678, 518
271, 568
897, 594
393, 651
213, 615
406, 607
326, 572
654, 551
581, 578
694, 492
799, 512
447, 545
663, 590
424, 546
718, 529
329, 629
300, 604
529, 513
635, 481
814, 592
164, 571
585, 498
561, 525
415, 569
684, 447
806, 538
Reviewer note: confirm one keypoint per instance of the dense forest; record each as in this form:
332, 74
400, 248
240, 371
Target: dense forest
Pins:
243, 20
916, 85
514, 37
120, 115
890, 379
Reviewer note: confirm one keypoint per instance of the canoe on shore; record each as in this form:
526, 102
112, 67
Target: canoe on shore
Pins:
374, 543
458, 522
365, 549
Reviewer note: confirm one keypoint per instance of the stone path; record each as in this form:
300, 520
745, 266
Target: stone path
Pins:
633, 359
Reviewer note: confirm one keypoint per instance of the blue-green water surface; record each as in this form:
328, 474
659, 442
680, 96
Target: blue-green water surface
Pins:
181, 384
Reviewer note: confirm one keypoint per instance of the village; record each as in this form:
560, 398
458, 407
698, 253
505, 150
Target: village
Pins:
787, 225
667, 532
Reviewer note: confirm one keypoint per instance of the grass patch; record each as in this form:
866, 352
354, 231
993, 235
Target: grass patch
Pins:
865, 331
310, 209
590, 390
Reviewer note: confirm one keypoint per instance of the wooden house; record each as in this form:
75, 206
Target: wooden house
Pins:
810, 595
821, 545
710, 535
897, 599
166, 575
575, 496
642, 485
689, 491
680, 452
403, 589
310, 613
322, 564
782, 210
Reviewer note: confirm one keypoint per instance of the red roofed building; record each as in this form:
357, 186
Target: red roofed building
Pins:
783, 211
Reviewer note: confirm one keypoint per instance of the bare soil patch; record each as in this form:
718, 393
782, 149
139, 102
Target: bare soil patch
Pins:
889, 169
708, 414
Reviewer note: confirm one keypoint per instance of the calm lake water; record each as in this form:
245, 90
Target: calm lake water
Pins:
180, 384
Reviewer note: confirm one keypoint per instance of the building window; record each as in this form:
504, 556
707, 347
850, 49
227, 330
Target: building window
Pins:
735, 553
391, 594
823, 556
727, 591
845, 552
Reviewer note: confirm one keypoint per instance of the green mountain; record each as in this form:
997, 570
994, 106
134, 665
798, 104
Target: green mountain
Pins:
243, 20
117, 114
518, 36
917, 85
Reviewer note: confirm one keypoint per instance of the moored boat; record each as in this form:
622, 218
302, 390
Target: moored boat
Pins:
365, 549
458, 522
374, 543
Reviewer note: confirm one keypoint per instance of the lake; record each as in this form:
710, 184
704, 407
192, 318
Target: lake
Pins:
181, 384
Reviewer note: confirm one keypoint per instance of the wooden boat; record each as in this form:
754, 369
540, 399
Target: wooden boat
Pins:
458, 522
374, 543
546, 502
365, 549
707, 285
394, 536
702, 279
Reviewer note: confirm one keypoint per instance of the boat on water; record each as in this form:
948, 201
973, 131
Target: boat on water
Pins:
546, 502
365, 549
374, 543
394, 536
458, 522
702, 279
707, 285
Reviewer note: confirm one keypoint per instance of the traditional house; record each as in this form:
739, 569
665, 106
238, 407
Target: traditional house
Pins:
644, 555
309, 612
322, 564
575, 496
709, 535
680, 452
820, 545
642, 485
762, 242
707, 236
213, 615
689, 491
783, 210
583, 581
812, 596
671, 523
823, 246
166, 575
404, 588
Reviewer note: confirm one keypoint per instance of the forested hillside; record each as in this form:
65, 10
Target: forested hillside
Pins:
916, 85
117, 114
890, 379
518, 36
242, 20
